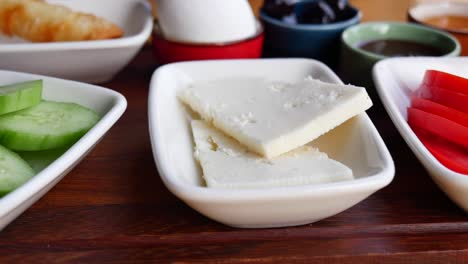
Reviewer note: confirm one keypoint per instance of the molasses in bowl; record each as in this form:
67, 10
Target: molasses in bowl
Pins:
365, 44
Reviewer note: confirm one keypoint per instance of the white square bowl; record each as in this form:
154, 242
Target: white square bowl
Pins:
109, 104
86, 61
355, 143
396, 79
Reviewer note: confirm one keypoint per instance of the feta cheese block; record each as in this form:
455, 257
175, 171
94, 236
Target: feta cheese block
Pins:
227, 164
272, 118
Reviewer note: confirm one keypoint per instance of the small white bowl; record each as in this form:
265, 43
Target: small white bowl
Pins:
428, 9
87, 61
206, 21
395, 80
355, 143
108, 103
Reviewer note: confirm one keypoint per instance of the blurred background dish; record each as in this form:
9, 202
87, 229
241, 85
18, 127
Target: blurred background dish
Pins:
309, 29
365, 44
168, 50
87, 61
206, 21
38, 21
451, 16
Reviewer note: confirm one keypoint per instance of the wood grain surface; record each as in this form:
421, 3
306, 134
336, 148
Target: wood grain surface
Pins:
113, 208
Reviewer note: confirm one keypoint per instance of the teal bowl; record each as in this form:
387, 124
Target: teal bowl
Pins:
320, 42
355, 64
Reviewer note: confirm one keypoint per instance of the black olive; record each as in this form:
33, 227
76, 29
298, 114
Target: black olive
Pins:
308, 11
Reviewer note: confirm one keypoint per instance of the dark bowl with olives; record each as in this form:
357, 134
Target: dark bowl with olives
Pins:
307, 28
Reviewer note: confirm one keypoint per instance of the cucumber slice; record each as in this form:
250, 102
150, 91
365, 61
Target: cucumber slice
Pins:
39, 160
47, 125
19, 96
14, 171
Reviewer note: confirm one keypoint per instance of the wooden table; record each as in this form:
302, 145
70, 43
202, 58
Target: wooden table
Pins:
113, 207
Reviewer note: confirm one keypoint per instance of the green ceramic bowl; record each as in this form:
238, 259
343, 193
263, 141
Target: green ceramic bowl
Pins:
356, 64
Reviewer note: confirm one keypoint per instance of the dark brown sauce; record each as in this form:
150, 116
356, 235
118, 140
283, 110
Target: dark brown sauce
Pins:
400, 48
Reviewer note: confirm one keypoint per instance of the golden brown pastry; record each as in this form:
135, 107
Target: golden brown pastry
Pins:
38, 21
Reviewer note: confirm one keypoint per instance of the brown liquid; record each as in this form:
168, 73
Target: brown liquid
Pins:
448, 22
399, 48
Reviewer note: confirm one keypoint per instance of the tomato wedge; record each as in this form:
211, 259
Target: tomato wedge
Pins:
450, 155
447, 81
440, 110
439, 126
456, 100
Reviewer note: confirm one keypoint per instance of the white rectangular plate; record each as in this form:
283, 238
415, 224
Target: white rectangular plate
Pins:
109, 104
87, 61
396, 79
355, 143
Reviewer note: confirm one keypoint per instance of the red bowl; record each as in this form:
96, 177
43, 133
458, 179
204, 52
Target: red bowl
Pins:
167, 51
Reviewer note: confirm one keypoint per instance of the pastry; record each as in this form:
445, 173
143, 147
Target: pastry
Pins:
38, 21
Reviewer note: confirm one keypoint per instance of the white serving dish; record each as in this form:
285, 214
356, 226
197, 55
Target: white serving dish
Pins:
87, 61
356, 144
428, 9
395, 80
108, 103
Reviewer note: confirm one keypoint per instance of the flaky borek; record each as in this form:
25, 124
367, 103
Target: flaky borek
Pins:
38, 21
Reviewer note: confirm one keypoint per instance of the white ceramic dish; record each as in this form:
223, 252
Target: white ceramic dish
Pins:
355, 143
206, 21
395, 80
109, 104
429, 9
87, 61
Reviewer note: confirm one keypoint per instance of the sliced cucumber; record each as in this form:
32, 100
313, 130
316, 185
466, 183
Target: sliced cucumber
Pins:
47, 125
19, 96
39, 160
14, 171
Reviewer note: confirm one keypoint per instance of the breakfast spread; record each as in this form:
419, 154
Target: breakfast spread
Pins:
251, 132
28, 123
439, 117
271, 118
38, 21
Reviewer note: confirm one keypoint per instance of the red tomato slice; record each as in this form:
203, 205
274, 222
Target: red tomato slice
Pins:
439, 126
447, 81
450, 155
440, 110
455, 100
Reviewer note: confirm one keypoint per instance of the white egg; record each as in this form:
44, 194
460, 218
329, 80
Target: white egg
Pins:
206, 21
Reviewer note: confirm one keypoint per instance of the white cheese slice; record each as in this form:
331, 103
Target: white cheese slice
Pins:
227, 164
272, 118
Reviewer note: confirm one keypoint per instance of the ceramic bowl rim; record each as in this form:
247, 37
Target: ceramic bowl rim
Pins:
313, 27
